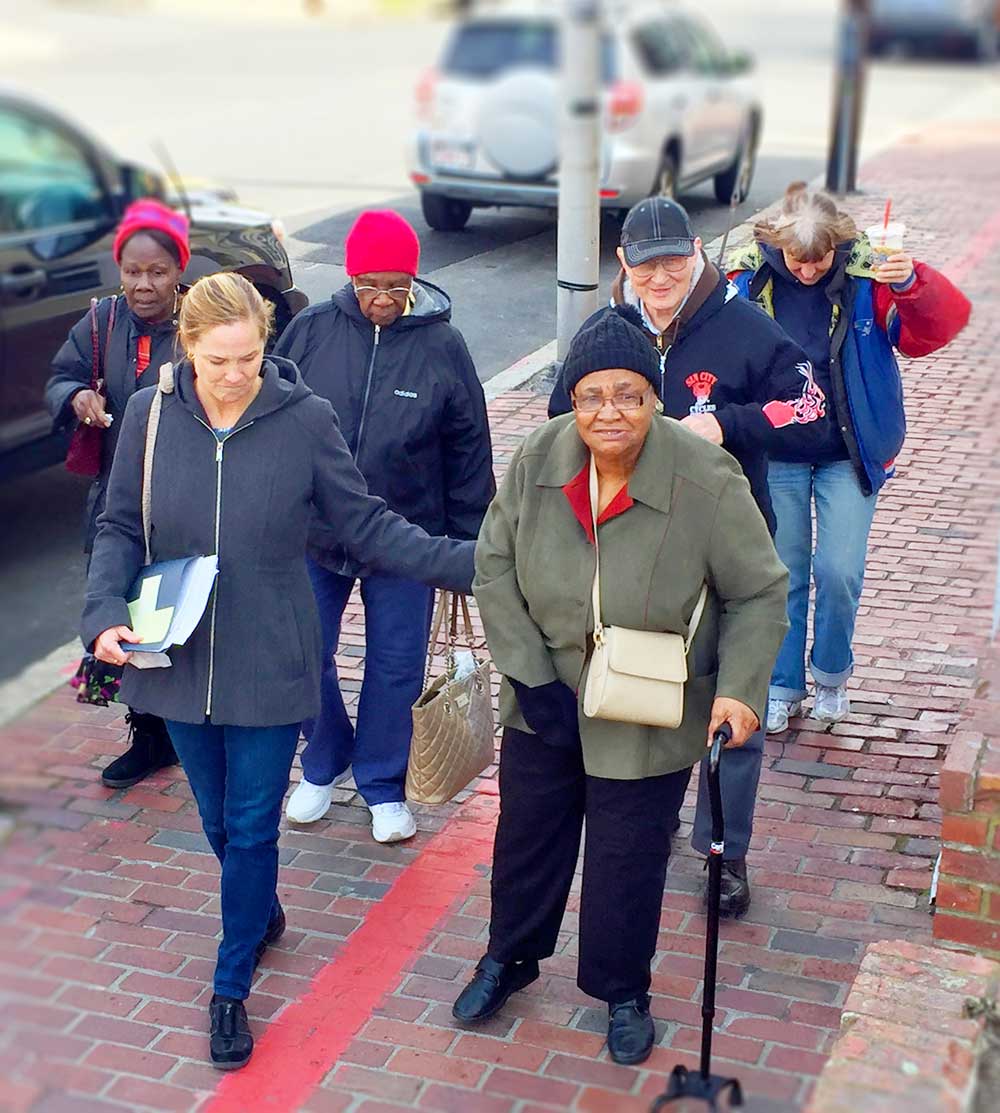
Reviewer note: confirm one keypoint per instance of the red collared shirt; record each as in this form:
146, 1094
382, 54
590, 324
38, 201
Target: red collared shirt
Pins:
577, 491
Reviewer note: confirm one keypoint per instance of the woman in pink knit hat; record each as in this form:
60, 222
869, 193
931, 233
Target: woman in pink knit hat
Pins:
133, 333
382, 350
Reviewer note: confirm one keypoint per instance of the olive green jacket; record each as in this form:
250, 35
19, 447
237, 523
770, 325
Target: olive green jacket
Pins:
693, 521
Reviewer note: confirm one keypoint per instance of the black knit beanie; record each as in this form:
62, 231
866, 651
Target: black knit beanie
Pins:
615, 339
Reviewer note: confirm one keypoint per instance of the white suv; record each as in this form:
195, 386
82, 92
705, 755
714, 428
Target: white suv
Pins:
678, 109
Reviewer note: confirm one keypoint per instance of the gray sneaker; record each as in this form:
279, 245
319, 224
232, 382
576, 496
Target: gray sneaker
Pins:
779, 711
831, 704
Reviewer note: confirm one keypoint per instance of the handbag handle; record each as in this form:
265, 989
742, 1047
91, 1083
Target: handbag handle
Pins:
699, 607
165, 386
448, 601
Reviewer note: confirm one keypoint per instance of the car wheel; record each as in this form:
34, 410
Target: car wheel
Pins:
666, 177
445, 214
736, 181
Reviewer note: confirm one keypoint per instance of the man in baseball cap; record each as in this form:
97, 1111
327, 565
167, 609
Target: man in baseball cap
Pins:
731, 375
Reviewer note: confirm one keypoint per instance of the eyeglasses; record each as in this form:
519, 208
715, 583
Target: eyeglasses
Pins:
397, 293
673, 264
594, 403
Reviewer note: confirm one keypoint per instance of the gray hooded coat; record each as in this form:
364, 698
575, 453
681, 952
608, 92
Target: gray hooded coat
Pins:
254, 659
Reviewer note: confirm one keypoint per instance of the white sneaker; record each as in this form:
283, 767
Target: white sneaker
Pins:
310, 802
779, 711
392, 822
831, 704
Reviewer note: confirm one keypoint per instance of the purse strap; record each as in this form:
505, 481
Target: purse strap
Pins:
96, 366
165, 386
699, 607
448, 605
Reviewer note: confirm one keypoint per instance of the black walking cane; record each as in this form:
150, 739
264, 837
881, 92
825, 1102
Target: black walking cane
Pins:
704, 1085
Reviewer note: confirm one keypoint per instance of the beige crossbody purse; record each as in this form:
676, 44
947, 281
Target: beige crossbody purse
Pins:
636, 676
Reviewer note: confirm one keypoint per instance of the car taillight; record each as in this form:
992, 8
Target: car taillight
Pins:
424, 93
624, 105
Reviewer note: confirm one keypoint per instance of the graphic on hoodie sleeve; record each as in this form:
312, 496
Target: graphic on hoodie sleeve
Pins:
808, 407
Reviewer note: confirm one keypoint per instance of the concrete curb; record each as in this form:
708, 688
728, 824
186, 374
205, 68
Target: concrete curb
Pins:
37, 681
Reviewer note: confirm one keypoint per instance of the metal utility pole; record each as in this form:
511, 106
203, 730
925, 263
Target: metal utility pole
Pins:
848, 96
579, 168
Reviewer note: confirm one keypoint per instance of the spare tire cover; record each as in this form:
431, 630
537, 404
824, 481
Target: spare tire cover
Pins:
519, 125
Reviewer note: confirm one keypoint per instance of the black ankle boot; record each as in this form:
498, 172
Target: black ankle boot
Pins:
492, 985
631, 1031
275, 930
230, 1041
149, 749
734, 892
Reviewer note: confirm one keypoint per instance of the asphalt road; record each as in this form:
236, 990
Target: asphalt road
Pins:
308, 121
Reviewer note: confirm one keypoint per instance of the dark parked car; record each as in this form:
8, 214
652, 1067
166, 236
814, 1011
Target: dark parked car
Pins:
61, 195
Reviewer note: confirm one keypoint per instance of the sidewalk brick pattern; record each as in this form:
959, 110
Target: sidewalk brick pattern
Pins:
109, 912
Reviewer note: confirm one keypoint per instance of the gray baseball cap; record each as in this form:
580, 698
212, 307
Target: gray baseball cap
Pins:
655, 227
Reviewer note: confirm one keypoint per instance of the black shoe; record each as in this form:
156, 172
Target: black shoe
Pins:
149, 749
231, 1042
491, 986
275, 930
734, 892
631, 1032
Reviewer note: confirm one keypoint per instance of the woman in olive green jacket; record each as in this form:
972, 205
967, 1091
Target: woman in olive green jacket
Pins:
674, 512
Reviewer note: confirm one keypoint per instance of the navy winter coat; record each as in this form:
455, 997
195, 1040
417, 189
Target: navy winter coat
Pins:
410, 406
725, 357
72, 372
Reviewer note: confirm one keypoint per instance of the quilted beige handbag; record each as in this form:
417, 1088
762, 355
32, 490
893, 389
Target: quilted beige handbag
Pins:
636, 676
452, 720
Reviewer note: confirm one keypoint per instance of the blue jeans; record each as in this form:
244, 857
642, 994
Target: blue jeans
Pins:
239, 776
397, 625
843, 520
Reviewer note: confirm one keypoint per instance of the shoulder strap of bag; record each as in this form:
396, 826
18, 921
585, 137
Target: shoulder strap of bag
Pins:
699, 610
97, 365
95, 346
166, 386
112, 314
699, 607
596, 589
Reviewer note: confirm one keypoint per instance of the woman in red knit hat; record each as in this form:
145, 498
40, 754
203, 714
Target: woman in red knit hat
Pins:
383, 352
135, 333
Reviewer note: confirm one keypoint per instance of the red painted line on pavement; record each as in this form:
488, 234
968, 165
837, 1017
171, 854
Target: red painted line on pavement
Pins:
983, 244
298, 1050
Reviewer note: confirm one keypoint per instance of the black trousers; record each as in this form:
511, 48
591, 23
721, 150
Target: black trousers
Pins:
545, 796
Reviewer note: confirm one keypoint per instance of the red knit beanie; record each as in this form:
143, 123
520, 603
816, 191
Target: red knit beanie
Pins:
150, 215
381, 240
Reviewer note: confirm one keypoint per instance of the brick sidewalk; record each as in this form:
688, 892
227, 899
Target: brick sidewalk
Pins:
108, 918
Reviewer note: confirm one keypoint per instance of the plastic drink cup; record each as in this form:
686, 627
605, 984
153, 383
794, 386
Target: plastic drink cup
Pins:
886, 239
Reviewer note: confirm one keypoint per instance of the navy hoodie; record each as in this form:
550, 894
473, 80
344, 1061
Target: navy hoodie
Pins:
741, 367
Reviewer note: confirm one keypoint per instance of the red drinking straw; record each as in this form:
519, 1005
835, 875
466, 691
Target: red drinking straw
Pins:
885, 219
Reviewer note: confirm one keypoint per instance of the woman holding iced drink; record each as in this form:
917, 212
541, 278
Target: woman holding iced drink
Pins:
848, 299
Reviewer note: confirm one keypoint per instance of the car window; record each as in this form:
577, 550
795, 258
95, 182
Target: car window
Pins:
706, 52
45, 178
660, 47
486, 49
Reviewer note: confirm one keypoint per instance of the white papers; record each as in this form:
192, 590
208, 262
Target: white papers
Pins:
166, 603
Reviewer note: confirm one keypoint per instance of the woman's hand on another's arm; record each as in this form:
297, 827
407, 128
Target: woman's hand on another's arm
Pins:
742, 720
108, 649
